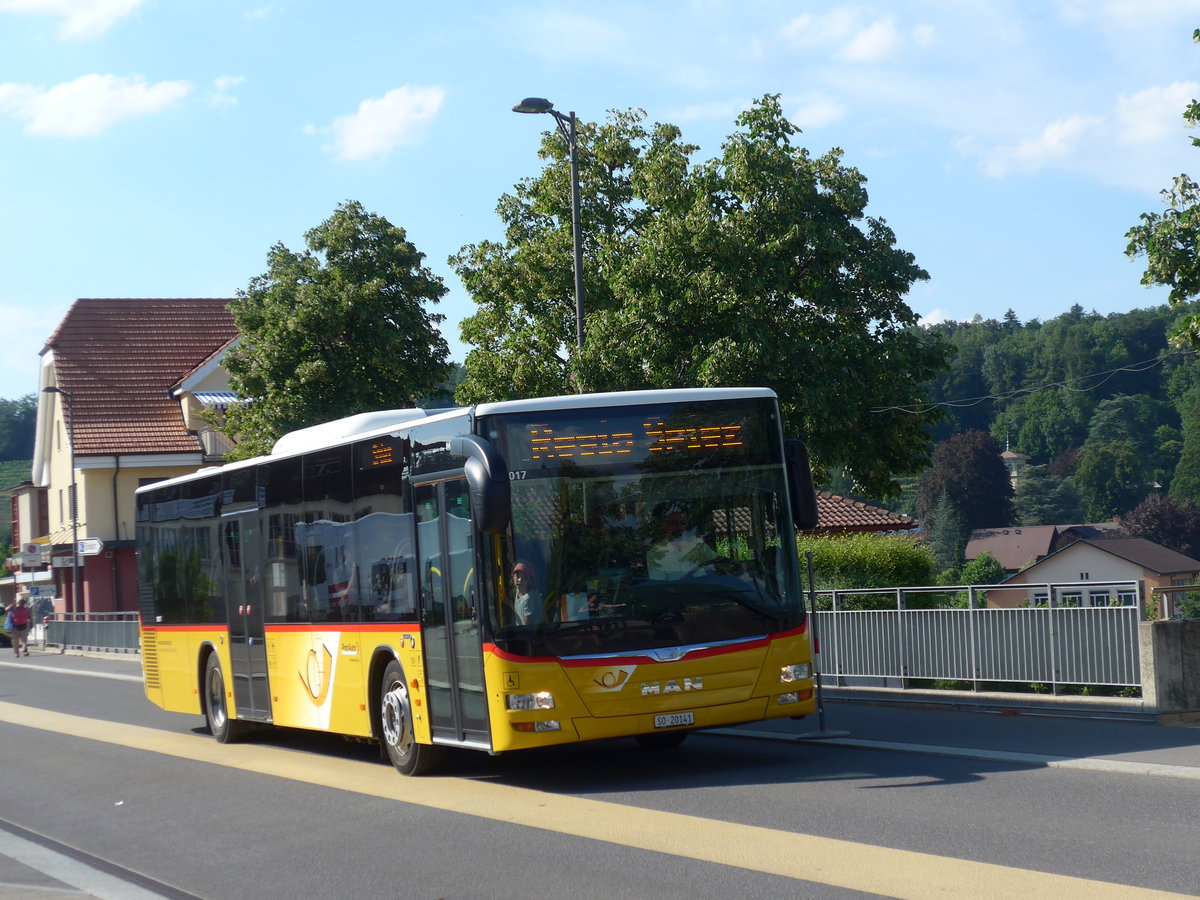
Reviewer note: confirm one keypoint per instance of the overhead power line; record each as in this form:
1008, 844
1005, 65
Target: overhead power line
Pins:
917, 409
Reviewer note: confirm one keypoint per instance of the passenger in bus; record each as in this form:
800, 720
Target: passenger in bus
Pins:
681, 552
528, 602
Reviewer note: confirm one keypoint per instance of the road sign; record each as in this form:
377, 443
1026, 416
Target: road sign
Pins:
90, 546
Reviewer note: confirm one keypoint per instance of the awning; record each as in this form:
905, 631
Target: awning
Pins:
216, 399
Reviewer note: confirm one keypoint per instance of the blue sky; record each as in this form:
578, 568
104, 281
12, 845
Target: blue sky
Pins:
158, 148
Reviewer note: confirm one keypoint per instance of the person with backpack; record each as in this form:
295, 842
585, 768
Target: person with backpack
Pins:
18, 614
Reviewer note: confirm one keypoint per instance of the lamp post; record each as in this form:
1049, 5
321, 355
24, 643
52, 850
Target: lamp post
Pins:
76, 575
566, 127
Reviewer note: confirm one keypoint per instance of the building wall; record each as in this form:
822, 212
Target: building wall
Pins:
1079, 562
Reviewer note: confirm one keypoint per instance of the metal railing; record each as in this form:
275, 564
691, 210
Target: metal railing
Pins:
1069, 634
91, 631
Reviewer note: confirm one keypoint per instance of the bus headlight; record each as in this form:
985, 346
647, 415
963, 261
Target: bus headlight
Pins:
540, 700
798, 672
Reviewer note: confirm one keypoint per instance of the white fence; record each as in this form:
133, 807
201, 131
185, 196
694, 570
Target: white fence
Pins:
1053, 641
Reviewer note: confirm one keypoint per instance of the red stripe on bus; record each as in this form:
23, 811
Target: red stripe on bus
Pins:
641, 658
343, 626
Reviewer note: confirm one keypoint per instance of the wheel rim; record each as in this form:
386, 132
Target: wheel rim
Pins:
216, 699
397, 720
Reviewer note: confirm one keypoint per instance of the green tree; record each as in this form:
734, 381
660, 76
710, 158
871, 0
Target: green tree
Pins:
756, 268
1110, 478
1046, 499
18, 418
336, 330
1169, 240
948, 537
967, 469
983, 569
1185, 483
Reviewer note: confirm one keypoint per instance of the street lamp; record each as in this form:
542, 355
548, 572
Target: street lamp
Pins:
566, 127
75, 573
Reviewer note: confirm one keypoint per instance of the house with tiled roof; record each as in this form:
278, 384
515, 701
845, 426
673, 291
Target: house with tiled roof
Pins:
841, 515
1016, 547
117, 409
1102, 570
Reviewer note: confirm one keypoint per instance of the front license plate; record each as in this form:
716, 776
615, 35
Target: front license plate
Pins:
674, 720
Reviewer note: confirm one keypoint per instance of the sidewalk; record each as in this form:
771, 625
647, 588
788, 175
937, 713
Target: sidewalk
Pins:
1103, 741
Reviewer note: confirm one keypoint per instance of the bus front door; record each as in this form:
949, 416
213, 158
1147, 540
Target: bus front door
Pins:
450, 615
244, 602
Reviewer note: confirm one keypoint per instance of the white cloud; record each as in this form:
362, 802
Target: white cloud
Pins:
853, 37
1058, 141
721, 110
877, 41
1134, 143
222, 87
809, 29
384, 123
815, 110
89, 105
1153, 114
81, 18
934, 317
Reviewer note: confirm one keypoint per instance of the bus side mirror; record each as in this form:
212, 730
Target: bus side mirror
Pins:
801, 492
487, 482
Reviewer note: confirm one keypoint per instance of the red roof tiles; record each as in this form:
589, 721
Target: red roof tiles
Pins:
118, 358
839, 514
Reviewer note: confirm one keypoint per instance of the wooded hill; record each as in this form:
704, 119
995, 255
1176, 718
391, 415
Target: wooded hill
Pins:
1102, 403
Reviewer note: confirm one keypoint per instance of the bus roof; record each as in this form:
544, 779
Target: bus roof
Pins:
621, 398
363, 425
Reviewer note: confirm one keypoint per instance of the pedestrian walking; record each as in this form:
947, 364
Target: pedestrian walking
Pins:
19, 615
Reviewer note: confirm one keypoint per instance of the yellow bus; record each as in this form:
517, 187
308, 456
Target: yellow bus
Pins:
498, 577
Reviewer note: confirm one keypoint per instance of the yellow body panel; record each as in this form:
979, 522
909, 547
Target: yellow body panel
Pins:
610, 698
319, 678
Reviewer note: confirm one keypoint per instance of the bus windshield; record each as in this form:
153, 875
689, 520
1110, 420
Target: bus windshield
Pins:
644, 527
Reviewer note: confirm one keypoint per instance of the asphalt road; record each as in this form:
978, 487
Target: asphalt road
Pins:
107, 796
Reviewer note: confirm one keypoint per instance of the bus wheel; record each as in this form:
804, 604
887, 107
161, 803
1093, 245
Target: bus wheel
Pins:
395, 715
661, 740
216, 710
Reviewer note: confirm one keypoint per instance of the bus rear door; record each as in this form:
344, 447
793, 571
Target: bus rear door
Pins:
244, 599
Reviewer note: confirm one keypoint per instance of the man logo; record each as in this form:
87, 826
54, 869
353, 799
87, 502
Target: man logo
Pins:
672, 687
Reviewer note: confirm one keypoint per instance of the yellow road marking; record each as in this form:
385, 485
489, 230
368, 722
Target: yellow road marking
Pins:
804, 857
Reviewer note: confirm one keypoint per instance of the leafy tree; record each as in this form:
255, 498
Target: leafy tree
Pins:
1046, 499
338, 329
967, 468
18, 419
983, 569
1044, 423
1185, 484
1168, 521
756, 268
1169, 240
1128, 418
1111, 479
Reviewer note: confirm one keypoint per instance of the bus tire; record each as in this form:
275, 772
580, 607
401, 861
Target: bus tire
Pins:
396, 726
661, 740
216, 707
